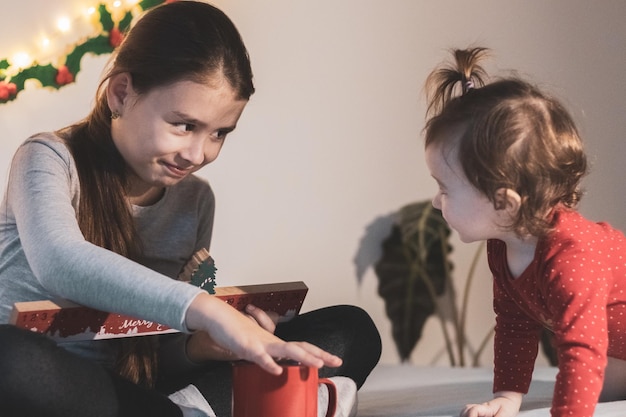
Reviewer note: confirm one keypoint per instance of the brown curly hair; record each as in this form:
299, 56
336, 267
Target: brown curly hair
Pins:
514, 136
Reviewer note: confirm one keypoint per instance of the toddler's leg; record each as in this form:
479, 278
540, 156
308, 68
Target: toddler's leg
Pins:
614, 388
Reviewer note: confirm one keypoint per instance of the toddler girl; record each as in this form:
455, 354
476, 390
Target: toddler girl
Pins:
508, 160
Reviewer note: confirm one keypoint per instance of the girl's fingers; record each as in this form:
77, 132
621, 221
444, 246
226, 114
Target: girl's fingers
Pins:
235, 333
310, 355
267, 320
329, 359
269, 364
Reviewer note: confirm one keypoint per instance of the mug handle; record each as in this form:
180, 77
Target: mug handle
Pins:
332, 396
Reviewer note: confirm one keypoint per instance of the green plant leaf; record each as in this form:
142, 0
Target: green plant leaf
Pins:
413, 270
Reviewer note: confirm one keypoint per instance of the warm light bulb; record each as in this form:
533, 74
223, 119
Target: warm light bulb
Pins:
21, 60
91, 15
64, 24
117, 3
45, 42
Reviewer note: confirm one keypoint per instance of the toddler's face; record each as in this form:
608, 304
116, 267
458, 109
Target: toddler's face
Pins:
466, 209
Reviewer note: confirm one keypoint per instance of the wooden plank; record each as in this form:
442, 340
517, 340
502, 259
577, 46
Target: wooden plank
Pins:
67, 321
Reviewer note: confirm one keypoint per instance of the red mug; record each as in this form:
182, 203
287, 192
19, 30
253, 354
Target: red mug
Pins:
257, 393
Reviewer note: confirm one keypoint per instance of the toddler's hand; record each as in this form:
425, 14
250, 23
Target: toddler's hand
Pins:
505, 404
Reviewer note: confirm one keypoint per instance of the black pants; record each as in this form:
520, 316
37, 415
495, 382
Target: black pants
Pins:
38, 378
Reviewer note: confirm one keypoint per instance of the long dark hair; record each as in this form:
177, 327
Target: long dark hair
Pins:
514, 136
184, 40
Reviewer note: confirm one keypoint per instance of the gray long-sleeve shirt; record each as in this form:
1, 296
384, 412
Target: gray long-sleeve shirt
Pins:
44, 255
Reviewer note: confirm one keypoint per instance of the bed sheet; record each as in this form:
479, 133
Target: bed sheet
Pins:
417, 391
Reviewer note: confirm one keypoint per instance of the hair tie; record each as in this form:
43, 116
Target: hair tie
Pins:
468, 85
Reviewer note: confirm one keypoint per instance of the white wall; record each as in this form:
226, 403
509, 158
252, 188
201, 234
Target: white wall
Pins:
331, 140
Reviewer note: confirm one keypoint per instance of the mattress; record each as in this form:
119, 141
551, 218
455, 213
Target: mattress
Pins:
411, 391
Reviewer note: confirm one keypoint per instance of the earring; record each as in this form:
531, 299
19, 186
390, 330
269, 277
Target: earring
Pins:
115, 115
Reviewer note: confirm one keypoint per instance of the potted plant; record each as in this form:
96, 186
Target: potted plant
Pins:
415, 280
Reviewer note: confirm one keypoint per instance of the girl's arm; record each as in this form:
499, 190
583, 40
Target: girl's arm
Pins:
245, 339
42, 196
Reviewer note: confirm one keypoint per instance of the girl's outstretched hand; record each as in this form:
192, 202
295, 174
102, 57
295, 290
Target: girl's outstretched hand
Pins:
266, 319
504, 404
245, 339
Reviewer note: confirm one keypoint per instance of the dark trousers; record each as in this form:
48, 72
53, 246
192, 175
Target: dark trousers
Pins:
38, 378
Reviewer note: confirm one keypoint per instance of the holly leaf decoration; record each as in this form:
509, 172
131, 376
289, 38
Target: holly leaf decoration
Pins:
47, 75
4, 64
106, 20
98, 45
146, 4
124, 24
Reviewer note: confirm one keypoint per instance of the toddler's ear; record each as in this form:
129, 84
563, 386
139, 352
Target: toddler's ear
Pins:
507, 199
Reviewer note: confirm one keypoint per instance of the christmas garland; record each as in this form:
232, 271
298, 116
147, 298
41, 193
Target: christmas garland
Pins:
109, 38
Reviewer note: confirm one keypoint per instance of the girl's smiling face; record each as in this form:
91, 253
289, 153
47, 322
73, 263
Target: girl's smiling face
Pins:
171, 131
466, 209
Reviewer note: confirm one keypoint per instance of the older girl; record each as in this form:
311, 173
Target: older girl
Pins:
107, 211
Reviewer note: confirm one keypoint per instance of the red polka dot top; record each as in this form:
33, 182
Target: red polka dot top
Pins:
576, 287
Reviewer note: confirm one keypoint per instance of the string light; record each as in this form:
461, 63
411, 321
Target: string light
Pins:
64, 24
21, 60
104, 36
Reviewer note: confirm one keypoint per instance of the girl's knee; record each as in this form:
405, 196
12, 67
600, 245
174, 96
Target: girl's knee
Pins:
365, 335
21, 342
19, 347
